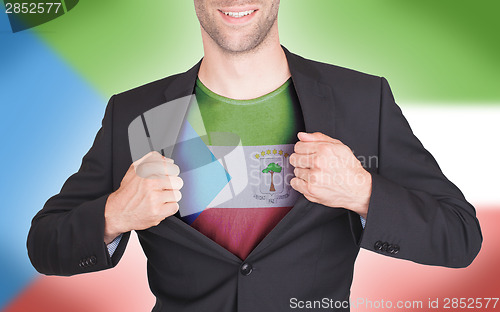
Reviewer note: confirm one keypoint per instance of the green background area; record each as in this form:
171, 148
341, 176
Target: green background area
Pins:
430, 51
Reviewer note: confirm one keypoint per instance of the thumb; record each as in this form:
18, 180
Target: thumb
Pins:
152, 156
316, 137
144, 157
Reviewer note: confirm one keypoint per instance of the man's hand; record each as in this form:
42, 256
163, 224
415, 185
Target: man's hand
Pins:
328, 173
148, 193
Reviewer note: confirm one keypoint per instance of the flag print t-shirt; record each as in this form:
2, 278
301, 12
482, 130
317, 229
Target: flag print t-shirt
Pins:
252, 140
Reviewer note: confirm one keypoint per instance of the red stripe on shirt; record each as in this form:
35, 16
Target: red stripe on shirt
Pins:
239, 230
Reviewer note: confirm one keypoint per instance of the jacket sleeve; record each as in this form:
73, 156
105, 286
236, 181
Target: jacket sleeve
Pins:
415, 212
67, 236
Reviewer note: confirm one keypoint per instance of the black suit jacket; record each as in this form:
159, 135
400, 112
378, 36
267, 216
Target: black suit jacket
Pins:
415, 212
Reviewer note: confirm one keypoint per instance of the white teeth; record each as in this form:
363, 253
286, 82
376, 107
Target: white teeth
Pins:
239, 14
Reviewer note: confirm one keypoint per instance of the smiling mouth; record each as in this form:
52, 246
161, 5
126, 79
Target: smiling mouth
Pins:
239, 14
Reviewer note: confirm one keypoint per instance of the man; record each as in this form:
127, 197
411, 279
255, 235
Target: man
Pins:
249, 255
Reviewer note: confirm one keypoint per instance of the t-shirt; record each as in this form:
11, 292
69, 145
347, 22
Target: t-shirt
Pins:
251, 140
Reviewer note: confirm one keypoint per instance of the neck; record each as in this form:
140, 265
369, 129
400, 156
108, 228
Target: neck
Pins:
245, 75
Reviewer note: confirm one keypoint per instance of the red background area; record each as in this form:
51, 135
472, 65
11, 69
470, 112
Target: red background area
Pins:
377, 278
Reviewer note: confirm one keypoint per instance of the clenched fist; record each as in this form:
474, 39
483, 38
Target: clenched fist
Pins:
148, 193
327, 172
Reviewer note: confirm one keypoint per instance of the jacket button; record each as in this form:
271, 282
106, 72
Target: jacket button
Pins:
390, 249
384, 246
93, 260
396, 249
378, 245
83, 264
246, 269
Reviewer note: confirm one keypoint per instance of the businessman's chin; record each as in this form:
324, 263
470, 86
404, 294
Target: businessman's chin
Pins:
240, 34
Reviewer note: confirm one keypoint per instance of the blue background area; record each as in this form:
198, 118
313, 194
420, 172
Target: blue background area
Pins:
49, 119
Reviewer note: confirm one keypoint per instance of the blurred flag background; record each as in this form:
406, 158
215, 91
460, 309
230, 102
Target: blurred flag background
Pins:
441, 59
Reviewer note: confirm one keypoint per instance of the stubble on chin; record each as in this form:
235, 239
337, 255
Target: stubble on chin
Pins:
247, 44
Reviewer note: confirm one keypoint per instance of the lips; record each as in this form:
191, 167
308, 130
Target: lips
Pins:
237, 15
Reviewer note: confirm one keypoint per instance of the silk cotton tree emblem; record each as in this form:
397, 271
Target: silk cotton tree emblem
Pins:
272, 168
272, 189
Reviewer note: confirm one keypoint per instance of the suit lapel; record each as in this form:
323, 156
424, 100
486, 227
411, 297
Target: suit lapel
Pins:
183, 85
317, 104
316, 98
